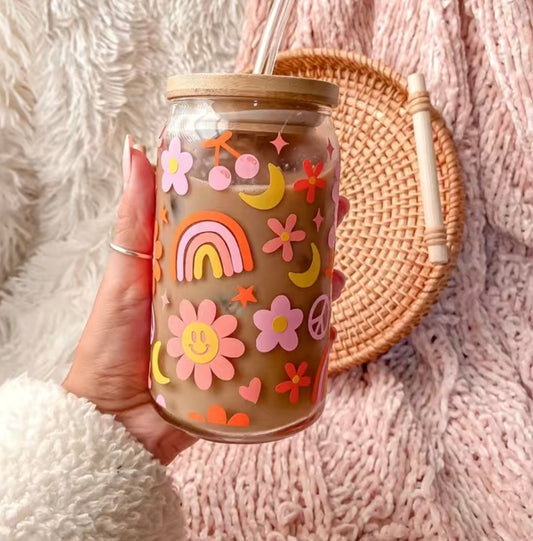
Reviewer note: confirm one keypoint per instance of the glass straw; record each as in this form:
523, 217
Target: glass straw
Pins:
272, 35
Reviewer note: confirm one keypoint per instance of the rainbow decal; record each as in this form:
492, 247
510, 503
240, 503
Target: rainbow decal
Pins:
213, 235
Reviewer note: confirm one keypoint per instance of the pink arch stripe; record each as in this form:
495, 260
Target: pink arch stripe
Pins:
208, 227
200, 240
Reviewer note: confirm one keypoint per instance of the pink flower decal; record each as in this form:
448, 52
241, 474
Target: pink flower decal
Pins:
278, 325
175, 164
202, 343
285, 235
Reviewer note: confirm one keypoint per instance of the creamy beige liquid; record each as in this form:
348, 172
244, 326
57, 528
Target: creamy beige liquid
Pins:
273, 415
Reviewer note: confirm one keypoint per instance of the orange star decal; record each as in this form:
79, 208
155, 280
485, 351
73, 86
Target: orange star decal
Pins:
163, 215
245, 295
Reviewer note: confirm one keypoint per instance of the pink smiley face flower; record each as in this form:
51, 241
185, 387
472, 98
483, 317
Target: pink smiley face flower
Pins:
175, 164
202, 343
278, 325
285, 235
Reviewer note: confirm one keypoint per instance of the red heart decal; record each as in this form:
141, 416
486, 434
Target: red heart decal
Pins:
252, 392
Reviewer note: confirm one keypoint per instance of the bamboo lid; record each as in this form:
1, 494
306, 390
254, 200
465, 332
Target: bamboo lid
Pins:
253, 86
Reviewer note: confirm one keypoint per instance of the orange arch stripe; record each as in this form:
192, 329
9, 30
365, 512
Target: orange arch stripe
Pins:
215, 216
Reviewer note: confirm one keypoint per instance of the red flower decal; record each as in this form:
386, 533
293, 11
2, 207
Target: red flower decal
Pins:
295, 381
312, 182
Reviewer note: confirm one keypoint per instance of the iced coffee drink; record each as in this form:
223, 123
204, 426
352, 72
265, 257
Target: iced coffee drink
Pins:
247, 191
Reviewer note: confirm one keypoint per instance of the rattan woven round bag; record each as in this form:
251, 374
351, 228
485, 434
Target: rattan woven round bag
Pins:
391, 283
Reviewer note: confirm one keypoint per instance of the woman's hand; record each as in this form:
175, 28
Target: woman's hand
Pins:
110, 367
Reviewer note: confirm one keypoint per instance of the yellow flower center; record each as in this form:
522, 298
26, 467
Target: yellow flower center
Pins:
296, 379
279, 324
173, 165
285, 236
199, 342
312, 180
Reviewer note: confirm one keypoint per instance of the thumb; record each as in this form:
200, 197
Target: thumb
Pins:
128, 274
120, 318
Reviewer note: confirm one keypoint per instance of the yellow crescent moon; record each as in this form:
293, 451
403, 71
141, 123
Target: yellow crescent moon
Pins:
272, 196
158, 375
310, 276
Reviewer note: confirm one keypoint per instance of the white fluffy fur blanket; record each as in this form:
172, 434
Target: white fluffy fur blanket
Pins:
75, 77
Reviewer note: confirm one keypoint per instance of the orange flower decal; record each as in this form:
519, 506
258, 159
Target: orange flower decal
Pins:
216, 415
312, 182
295, 381
158, 253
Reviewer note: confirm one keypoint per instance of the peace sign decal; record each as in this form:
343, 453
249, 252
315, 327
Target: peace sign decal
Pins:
318, 320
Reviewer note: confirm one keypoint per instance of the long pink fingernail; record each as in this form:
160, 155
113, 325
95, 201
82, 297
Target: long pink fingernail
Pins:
126, 159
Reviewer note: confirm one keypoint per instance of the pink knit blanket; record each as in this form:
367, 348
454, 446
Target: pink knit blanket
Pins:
435, 439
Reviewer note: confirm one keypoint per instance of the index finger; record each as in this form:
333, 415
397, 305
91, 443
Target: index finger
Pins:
344, 207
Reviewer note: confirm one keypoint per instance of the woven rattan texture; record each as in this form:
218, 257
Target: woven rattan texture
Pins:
391, 284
